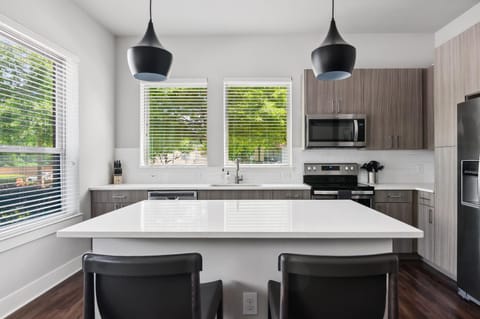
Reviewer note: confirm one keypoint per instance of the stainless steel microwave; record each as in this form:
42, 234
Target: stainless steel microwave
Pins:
335, 130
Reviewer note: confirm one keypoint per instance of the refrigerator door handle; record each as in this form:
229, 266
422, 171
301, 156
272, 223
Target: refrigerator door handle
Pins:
478, 179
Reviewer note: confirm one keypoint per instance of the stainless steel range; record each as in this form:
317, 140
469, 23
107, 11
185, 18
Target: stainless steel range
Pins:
337, 181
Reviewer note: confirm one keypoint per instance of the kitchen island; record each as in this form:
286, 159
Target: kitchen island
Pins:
240, 240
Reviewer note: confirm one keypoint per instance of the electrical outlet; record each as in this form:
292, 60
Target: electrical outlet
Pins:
250, 303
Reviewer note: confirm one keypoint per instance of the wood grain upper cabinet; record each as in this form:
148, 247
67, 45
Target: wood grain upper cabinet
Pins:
348, 94
379, 89
333, 97
393, 99
449, 87
318, 95
408, 109
428, 108
470, 53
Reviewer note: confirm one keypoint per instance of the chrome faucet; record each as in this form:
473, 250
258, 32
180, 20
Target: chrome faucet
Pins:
238, 178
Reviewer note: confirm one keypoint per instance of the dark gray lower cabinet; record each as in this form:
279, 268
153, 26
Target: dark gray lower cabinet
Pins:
105, 201
399, 205
254, 194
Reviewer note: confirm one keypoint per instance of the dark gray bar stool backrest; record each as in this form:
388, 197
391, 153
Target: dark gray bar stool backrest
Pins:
144, 287
316, 287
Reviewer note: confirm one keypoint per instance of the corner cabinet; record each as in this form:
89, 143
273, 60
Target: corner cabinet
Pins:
392, 99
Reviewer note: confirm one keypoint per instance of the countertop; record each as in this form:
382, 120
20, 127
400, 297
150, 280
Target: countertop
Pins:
243, 219
194, 187
424, 187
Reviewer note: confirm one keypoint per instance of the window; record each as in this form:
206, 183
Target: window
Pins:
257, 122
35, 178
174, 123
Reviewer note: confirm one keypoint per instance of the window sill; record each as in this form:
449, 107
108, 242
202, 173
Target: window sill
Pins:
22, 234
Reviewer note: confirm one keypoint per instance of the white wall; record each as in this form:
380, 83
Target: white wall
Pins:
458, 25
36, 265
263, 56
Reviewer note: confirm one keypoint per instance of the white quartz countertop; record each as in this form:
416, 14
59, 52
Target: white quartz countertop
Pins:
424, 187
243, 219
194, 187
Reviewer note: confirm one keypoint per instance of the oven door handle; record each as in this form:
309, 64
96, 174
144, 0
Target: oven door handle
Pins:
362, 192
325, 192
355, 125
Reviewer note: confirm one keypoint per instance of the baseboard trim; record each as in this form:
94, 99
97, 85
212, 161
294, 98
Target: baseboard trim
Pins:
31, 291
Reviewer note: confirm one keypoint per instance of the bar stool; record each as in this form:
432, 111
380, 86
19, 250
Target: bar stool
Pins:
316, 287
149, 287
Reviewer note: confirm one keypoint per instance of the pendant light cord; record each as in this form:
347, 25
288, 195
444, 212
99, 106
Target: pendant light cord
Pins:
333, 9
150, 10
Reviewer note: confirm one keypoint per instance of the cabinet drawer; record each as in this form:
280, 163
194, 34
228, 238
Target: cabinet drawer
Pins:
291, 194
118, 196
426, 198
393, 196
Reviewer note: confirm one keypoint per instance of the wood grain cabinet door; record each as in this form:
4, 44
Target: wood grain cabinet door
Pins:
404, 213
348, 94
379, 93
408, 109
449, 86
470, 57
428, 109
446, 209
318, 95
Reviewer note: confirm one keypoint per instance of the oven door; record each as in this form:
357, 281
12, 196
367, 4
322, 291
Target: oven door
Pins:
342, 130
362, 197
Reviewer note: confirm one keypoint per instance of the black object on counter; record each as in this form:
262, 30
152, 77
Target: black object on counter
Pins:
372, 166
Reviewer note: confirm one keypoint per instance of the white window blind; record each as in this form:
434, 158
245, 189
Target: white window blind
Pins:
174, 123
257, 121
38, 102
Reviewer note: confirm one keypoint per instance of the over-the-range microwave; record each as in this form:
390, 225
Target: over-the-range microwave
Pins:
335, 130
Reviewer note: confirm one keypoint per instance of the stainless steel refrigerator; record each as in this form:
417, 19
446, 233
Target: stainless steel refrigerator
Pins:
468, 261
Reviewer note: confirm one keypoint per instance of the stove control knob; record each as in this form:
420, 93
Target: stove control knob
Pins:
314, 168
352, 168
309, 168
347, 168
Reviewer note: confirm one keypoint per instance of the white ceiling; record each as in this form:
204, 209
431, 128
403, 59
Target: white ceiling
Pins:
240, 17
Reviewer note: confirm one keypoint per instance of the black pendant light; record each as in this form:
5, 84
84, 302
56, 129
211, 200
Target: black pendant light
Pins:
148, 60
335, 58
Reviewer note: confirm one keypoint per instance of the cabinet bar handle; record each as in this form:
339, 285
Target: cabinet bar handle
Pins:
119, 196
394, 196
430, 216
425, 198
398, 141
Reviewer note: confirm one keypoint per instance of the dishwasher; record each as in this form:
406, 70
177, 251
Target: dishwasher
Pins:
172, 195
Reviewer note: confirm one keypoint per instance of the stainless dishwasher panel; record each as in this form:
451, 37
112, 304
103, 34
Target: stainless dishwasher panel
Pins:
172, 195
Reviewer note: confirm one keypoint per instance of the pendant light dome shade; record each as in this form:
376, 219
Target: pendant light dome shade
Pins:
149, 60
335, 58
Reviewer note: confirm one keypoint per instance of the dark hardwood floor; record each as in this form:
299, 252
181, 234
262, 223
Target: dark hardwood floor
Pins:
424, 293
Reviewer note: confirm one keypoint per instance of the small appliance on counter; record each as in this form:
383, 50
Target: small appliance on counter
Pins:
372, 167
337, 181
117, 172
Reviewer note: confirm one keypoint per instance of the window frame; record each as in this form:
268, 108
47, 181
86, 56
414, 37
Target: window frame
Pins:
259, 82
66, 142
173, 82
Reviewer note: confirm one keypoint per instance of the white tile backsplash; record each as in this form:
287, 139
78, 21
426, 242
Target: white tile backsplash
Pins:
400, 167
